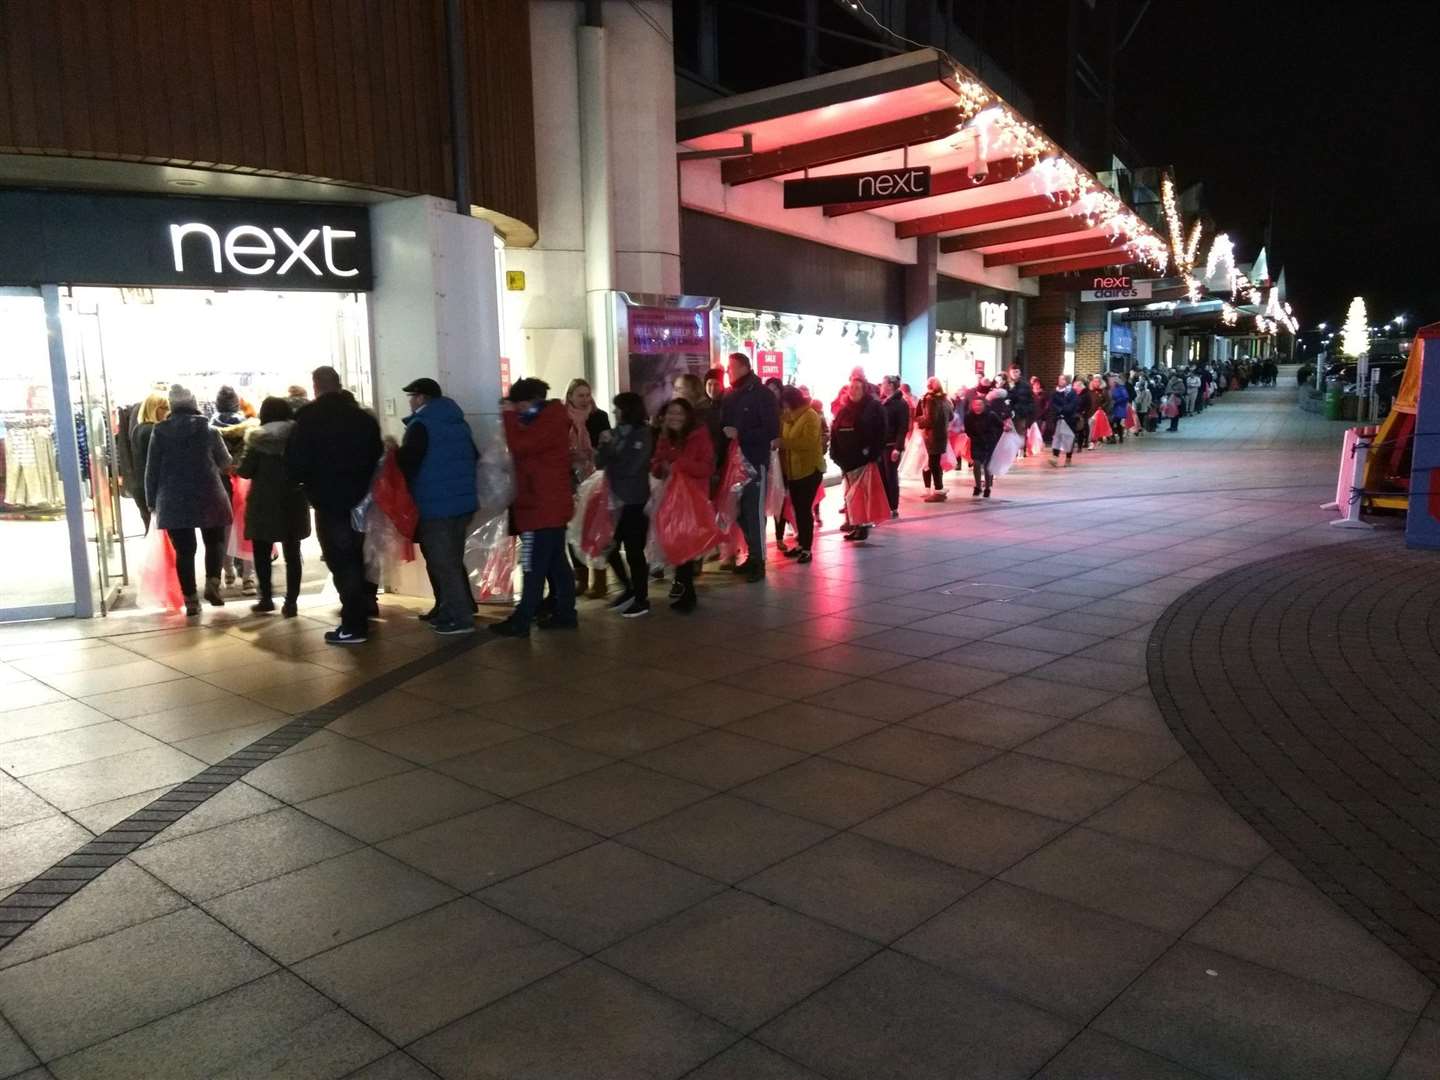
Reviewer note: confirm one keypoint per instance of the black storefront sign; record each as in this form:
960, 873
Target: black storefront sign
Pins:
75, 238
887, 185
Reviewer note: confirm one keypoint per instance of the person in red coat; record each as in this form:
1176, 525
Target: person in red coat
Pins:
683, 446
538, 433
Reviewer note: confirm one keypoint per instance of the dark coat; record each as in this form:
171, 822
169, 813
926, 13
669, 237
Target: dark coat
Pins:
751, 409
897, 421
1022, 401
139, 453
184, 470
984, 431
858, 435
934, 420
276, 508
333, 451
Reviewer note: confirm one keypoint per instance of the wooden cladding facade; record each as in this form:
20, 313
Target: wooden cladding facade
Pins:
348, 91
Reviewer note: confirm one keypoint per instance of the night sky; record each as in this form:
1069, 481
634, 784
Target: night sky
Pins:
1324, 108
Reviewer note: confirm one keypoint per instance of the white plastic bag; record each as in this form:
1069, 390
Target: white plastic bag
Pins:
1064, 440
774, 487
490, 560
1006, 449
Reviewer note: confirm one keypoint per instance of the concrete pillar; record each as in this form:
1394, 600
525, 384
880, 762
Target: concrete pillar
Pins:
917, 336
434, 312
435, 308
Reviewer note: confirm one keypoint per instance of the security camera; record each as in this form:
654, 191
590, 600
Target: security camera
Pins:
979, 171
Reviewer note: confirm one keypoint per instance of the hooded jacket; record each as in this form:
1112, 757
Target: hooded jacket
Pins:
333, 451
443, 484
625, 457
984, 430
276, 508
858, 437
540, 444
183, 473
897, 421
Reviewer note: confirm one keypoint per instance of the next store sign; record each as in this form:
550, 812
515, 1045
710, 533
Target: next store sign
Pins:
887, 185
74, 238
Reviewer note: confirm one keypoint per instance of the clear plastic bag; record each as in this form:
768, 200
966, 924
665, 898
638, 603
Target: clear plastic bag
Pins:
495, 476
385, 547
1035, 439
490, 560
774, 487
733, 478
591, 533
1064, 440
916, 458
236, 546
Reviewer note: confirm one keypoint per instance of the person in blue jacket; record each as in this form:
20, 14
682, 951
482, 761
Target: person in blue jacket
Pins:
750, 414
1119, 407
438, 458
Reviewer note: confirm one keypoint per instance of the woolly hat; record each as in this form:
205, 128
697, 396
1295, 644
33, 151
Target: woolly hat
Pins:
227, 400
181, 398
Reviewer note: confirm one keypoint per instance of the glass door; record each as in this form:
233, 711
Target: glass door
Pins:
95, 424
45, 571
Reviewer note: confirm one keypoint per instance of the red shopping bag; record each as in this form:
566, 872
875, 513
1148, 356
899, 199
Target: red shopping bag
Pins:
1131, 420
684, 521
733, 477
392, 495
865, 500
592, 529
158, 586
1100, 427
236, 546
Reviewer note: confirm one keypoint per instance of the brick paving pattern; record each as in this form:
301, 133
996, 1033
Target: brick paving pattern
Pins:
908, 812
1307, 689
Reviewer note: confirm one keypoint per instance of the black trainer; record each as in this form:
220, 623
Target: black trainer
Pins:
341, 636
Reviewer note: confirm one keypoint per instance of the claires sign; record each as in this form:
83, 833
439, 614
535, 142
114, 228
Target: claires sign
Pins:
75, 238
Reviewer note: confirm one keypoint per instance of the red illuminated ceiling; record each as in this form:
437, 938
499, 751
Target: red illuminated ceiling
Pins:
905, 112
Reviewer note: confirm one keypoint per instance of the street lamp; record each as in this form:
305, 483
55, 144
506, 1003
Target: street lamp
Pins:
1400, 319
1324, 326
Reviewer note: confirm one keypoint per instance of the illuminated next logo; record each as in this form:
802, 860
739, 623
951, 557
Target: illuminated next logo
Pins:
249, 249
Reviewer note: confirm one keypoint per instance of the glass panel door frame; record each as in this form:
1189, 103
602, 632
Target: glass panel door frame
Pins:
68, 465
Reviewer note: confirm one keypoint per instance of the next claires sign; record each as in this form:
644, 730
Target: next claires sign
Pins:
254, 251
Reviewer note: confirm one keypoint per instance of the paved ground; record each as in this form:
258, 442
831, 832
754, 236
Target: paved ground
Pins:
908, 812
1306, 688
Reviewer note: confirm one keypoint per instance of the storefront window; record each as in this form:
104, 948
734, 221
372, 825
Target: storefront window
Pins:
812, 351
962, 360
34, 531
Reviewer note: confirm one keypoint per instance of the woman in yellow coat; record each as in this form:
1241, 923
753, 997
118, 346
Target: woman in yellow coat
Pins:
802, 457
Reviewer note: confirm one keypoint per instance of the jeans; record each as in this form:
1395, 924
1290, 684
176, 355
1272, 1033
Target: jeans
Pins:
983, 478
633, 571
184, 544
542, 559
802, 495
442, 542
343, 550
752, 516
263, 552
890, 473
934, 473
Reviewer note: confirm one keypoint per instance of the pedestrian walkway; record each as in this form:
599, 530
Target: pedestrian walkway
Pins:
910, 811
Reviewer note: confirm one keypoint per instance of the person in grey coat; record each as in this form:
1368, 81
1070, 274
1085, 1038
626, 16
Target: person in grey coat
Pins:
275, 511
624, 454
185, 488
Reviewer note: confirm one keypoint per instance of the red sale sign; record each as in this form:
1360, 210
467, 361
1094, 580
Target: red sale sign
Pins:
770, 364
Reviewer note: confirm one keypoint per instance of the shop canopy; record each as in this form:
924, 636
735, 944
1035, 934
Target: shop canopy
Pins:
998, 186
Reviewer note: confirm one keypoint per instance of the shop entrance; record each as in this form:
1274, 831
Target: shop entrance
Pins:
60, 410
